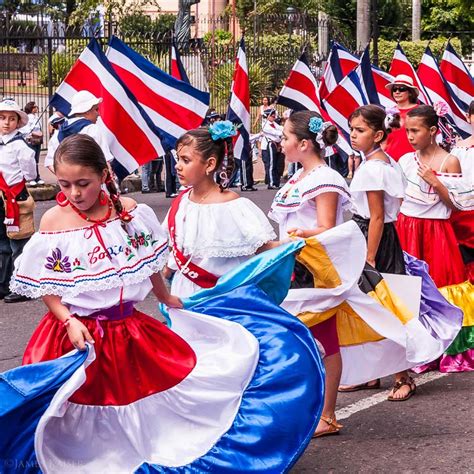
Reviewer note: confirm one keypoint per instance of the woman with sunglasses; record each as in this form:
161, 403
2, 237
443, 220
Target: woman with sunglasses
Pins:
405, 95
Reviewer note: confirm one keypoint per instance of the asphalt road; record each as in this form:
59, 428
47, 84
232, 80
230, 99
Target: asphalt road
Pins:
431, 432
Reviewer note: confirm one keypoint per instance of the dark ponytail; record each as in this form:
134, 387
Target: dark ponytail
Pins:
222, 149
299, 122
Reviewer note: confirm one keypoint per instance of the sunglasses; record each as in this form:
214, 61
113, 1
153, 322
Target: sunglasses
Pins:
399, 89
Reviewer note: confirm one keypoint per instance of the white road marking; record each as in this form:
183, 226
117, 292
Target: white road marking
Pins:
380, 397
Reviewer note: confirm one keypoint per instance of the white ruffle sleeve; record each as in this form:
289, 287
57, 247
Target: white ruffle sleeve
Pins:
93, 258
295, 194
230, 229
378, 175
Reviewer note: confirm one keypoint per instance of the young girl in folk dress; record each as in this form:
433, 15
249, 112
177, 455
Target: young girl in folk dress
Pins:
377, 191
310, 203
423, 225
211, 229
150, 394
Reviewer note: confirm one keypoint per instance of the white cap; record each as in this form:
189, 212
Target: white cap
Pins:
82, 102
9, 105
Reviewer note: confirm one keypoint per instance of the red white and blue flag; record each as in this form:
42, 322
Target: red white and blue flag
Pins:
238, 111
438, 91
300, 89
174, 106
340, 63
132, 136
373, 82
458, 78
401, 65
177, 68
343, 100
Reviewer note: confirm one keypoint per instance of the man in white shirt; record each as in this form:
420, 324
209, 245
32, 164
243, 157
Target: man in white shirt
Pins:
272, 158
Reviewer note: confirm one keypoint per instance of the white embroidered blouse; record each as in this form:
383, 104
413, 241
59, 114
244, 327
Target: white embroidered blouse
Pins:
94, 267
294, 204
217, 237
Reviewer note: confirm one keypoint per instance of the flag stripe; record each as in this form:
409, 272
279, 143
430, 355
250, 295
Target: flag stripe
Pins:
130, 133
429, 73
113, 111
238, 111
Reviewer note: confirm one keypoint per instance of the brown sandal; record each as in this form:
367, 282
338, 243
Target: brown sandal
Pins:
409, 382
362, 386
333, 427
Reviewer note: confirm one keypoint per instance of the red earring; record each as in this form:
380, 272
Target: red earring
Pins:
61, 199
103, 198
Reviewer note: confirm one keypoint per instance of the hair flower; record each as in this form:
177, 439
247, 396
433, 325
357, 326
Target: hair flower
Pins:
315, 124
441, 108
392, 110
222, 130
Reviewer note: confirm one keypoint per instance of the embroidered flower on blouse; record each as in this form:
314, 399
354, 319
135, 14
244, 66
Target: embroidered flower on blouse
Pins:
315, 124
222, 129
57, 263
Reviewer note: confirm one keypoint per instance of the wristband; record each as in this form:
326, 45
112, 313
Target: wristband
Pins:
68, 320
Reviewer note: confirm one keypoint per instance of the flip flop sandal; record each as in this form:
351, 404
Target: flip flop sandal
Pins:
409, 382
362, 386
333, 427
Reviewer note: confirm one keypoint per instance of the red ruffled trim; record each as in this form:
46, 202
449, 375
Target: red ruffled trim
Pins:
137, 357
433, 241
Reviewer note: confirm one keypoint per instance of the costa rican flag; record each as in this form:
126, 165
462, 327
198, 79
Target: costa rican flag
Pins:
173, 105
238, 111
300, 93
340, 63
430, 74
343, 100
177, 68
401, 65
373, 82
458, 78
300, 89
132, 137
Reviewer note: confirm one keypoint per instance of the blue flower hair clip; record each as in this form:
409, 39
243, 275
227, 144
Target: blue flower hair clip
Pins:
222, 130
315, 124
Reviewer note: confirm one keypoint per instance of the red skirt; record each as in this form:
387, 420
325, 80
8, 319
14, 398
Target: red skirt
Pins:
136, 357
433, 241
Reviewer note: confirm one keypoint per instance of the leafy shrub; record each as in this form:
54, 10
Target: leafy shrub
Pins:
219, 86
61, 64
413, 49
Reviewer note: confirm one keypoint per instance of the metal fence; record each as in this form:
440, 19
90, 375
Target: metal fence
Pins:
35, 58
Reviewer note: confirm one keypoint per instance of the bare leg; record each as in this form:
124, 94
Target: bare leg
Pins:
333, 366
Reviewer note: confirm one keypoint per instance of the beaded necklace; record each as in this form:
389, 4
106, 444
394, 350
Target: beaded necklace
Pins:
89, 219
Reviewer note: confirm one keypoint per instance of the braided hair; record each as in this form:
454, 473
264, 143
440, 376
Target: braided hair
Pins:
83, 150
222, 149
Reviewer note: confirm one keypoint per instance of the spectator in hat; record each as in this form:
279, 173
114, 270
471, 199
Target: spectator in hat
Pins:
405, 95
83, 118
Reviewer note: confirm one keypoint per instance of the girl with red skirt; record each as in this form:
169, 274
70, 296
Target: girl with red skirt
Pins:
423, 225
